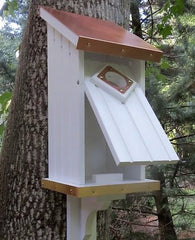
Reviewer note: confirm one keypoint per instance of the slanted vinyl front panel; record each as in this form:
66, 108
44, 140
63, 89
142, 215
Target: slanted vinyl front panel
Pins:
101, 160
132, 130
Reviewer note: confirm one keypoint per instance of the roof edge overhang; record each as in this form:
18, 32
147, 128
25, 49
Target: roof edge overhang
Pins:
60, 27
117, 49
125, 44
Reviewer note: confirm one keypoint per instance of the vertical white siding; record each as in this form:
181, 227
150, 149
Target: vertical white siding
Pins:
65, 109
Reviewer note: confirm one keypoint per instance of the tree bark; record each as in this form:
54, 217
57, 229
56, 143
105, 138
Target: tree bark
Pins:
27, 211
136, 23
166, 226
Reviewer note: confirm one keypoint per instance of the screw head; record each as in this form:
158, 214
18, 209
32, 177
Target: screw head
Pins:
123, 50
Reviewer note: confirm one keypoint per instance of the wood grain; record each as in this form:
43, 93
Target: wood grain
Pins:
100, 190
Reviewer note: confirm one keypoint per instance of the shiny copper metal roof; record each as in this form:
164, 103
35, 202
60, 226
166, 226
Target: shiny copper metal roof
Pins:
100, 36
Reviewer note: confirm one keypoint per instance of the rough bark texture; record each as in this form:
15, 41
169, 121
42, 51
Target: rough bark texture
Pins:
136, 23
166, 226
27, 211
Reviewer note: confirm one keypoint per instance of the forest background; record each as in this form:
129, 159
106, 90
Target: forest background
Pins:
170, 88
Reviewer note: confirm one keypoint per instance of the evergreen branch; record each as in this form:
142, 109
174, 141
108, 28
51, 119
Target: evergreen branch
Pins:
137, 224
183, 211
183, 106
143, 20
175, 174
185, 174
135, 210
6, 70
183, 195
184, 143
180, 137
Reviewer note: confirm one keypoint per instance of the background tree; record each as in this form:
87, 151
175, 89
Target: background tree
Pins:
175, 107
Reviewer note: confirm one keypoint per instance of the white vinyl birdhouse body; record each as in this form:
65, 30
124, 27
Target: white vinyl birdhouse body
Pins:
102, 130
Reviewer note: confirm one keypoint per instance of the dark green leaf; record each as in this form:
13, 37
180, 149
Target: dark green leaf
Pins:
2, 128
177, 8
4, 99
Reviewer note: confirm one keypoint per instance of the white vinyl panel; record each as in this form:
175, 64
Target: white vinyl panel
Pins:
51, 104
55, 109
75, 98
64, 108
145, 127
137, 67
73, 212
95, 144
126, 127
59, 107
157, 126
65, 112
107, 124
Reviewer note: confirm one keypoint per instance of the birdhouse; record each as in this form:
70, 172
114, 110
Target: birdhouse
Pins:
102, 130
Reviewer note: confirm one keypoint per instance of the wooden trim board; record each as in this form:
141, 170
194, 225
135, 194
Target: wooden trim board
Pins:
90, 190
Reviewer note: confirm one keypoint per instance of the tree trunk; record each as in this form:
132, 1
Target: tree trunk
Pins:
166, 226
26, 210
136, 23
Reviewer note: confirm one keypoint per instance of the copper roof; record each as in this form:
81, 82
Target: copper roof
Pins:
95, 35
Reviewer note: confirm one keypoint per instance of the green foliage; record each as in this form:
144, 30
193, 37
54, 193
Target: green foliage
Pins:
159, 18
5, 100
169, 11
8, 60
8, 64
173, 97
183, 208
11, 7
164, 29
14, 16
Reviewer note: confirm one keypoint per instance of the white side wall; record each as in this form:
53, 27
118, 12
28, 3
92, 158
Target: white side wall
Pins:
65, 110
